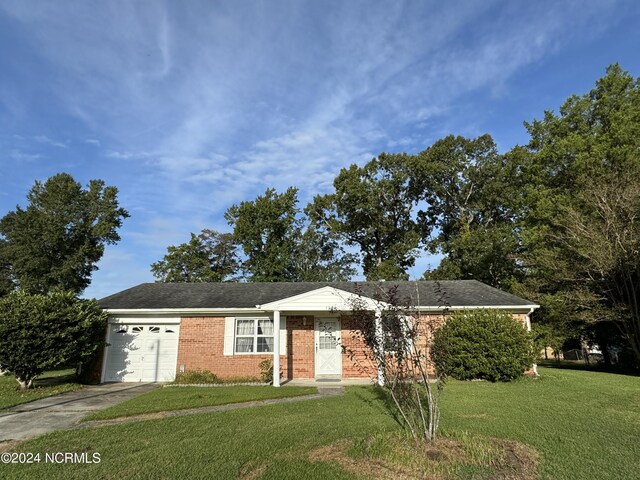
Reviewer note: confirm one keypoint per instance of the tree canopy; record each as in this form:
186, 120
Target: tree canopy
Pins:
579, 227
554, 220
55, 242
281, 245
208, 257
471, 195
373, 208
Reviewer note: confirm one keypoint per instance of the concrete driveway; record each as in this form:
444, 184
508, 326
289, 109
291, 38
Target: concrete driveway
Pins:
63, 411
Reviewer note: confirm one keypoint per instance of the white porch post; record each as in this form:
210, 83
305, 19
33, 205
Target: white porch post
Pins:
380, 334
276, 348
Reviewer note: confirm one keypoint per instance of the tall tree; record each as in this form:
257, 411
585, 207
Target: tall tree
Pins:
572, 216
471, 197
319, 257
602, 238
55, 243
266, 229
281, 245
373, 209
208, 257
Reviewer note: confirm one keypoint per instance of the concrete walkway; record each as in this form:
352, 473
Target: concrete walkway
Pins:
323, 392
63, 411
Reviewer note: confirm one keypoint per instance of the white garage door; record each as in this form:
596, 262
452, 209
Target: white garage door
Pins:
142, 352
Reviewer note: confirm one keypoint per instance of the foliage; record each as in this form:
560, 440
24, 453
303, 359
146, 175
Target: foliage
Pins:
319, 257
482, 344
277, 245
581, 203
603, 238
394, 336
41, 332
6, 278
266, 229
545, 335
55, 243
196, 376
208, 257
373, 208
471, 196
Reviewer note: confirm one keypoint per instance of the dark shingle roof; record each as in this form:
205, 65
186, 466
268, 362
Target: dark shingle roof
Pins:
457, 293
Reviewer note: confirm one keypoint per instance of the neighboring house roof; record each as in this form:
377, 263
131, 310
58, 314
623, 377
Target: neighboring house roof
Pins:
435, 294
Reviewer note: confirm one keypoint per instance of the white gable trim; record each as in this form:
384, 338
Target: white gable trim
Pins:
322, 299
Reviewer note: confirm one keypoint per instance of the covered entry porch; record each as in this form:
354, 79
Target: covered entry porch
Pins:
319, 339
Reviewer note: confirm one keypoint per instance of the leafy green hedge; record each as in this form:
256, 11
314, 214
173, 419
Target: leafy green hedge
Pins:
482, 344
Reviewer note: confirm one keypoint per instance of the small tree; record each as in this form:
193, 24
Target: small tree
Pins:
396, 337
39, 332
482, 344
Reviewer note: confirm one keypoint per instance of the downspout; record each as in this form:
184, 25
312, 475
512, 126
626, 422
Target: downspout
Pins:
534, 367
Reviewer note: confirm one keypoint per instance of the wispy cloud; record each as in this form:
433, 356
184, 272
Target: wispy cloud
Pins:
48, 141
21, 156
197, 106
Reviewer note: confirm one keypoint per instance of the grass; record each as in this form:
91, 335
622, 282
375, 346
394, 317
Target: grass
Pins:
46, 385
180, 398
582, 425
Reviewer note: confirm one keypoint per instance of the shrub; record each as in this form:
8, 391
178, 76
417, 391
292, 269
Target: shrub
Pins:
266, 371
482, 344
42, 332
197, 376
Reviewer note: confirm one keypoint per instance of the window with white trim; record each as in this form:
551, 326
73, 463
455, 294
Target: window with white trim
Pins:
254, 335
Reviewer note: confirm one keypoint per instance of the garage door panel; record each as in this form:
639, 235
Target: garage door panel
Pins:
142, 352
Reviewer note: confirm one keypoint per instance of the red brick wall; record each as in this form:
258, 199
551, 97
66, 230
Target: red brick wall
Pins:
356, 362
300, 347
201, 345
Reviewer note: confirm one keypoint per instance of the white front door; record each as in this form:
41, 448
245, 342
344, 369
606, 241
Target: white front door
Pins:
328, 347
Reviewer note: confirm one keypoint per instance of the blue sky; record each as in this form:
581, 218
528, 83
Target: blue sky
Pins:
189, 107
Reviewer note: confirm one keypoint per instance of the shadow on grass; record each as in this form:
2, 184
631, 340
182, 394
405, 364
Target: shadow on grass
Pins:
382, 402
594, 367
50, 379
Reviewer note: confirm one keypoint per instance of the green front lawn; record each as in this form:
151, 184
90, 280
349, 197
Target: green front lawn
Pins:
180, 398
48, 384
582, 424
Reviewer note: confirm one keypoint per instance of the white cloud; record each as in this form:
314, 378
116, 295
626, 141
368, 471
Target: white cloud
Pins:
202, 105
48, 141
20, 156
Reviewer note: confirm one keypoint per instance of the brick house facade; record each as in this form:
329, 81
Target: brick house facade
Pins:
158, 330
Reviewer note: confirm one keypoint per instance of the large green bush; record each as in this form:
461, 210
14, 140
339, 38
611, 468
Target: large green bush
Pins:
41, 332
482, 344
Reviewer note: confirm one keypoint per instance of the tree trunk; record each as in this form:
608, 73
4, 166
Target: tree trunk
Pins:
25, 382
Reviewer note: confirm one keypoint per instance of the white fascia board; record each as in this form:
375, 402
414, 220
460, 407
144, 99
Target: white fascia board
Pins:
484, 307
269, 307
179, 311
